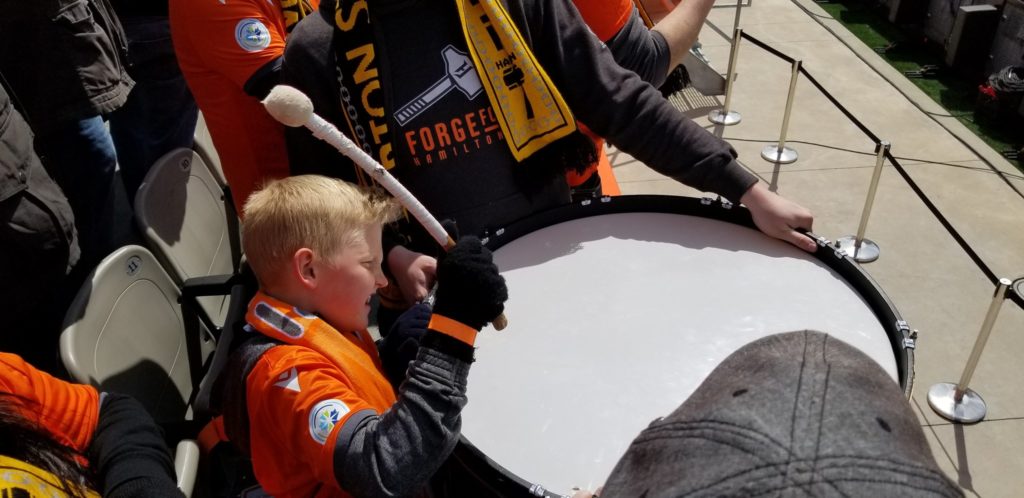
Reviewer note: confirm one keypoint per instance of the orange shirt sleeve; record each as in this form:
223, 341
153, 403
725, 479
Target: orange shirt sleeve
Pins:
233, 38
605, 17
69, 411
298, 403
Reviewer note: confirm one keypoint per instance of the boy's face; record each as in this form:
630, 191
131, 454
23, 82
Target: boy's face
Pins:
347, 279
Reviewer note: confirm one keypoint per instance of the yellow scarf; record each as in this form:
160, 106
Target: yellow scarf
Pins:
532, 113
354, 353
17, 477
293, 12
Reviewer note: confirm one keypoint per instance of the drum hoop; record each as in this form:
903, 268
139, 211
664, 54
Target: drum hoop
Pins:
901, 338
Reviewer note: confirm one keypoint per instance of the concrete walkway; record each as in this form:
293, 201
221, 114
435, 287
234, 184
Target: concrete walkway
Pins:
929, 278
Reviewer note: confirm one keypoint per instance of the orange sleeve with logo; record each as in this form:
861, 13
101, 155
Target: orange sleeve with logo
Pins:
235, 38
605, 17
69, 411
298, 403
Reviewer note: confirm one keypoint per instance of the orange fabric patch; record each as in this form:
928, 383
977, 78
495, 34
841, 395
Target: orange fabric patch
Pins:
68, 411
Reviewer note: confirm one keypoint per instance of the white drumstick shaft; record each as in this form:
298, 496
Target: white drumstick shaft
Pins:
329, 133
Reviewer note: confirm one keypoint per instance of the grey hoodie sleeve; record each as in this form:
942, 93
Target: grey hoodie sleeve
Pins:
397, 452
617, 105
641, 50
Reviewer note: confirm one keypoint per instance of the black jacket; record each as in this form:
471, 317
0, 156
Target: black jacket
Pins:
64, 60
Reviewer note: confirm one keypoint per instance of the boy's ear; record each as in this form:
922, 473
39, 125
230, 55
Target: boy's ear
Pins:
303, 268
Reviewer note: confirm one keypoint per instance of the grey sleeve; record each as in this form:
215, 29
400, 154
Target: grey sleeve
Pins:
619, 106
397, 452
641, 50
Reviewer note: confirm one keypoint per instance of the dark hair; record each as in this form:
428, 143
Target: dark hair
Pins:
24, 440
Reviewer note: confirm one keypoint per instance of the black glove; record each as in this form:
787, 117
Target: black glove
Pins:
400, 345
469, 288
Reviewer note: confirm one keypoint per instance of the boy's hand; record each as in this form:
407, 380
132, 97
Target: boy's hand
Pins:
401, 343
469, 288
414, 273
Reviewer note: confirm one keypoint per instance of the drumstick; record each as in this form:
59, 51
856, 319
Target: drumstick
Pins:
293, 108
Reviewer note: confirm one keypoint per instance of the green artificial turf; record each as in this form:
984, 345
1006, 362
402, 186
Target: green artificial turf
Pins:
956, 93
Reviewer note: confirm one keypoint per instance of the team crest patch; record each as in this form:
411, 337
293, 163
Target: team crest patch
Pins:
324, 416
252, 35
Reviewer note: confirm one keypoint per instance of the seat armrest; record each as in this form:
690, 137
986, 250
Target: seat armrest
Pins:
186, 464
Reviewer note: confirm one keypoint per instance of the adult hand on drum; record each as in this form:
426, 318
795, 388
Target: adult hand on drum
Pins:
779, 217
414, 273
469, 288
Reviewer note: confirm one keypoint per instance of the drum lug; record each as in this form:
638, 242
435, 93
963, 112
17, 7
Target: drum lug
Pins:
909, 336
585, 202
725, 203
537, 490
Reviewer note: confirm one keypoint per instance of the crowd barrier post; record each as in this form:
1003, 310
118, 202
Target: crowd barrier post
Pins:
957, 402
725, 116
857, 247
780, 153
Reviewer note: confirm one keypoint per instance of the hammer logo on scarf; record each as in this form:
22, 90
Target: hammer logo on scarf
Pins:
459, 74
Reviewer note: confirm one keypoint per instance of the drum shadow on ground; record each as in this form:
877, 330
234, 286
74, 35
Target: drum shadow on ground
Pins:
686, 231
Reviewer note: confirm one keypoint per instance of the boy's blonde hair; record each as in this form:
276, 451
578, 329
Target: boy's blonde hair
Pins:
321, 213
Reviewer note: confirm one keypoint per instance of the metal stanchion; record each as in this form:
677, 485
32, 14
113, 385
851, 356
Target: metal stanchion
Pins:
957, 402
736, 18
724, 116
857, 247
780, 153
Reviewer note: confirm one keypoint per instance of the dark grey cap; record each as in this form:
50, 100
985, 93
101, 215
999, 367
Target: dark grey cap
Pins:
794, 414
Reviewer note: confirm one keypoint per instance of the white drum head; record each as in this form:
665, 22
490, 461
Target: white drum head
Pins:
614, 320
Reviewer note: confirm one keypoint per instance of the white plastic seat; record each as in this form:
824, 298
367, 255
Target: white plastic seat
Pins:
125, 332
202, 142
181, 211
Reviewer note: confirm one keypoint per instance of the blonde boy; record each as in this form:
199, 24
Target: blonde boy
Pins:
305, 396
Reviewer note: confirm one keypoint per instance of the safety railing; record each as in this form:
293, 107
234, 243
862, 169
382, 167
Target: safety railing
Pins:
956, 402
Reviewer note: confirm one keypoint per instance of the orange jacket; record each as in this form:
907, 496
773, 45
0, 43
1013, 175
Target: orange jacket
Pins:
605, 18
68, 411
220, 45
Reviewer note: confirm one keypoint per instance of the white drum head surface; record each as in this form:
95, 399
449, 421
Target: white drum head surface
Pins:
614, 320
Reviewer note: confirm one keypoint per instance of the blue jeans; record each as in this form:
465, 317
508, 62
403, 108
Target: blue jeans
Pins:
160, 114
81, 159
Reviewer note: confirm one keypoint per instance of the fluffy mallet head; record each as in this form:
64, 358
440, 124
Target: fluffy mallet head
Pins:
289, 106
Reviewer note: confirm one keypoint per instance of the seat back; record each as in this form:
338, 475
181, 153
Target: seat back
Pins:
180, 209
203, 144
125, 332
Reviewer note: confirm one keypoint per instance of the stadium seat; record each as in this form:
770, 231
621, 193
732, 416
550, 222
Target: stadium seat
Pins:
125, 331
203, 145
181, 211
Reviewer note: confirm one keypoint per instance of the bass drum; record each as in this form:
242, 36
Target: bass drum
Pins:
619, 308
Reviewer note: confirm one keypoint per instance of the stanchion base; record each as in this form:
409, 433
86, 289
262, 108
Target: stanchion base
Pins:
866, 253
1018, 286
724, 118
942, 399
772, 154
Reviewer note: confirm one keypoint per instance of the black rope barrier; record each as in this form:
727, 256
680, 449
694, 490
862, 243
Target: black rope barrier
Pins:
964, 245
963, 142
768, 49
949, 228
856, 122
